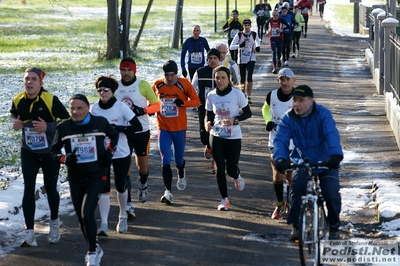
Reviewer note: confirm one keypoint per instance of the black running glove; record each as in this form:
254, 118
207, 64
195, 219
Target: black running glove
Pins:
281, 165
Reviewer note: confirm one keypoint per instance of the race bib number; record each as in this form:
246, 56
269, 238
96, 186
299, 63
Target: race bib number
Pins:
35, 140
275, 32
233, 33
245, 55
86, 149
169, 108
196, 57
223, 132
304, 11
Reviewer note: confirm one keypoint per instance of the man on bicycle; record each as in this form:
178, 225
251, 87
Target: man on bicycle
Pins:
315, 136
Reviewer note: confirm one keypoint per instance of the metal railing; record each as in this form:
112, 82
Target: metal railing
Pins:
394, 83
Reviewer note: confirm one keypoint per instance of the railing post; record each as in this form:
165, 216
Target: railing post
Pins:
381, 16
389, 25
375, 13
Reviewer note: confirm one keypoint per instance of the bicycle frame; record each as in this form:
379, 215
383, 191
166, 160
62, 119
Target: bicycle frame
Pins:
312, 222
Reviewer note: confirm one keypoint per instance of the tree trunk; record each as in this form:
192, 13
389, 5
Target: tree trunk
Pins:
125, 22
142, 24
112, 31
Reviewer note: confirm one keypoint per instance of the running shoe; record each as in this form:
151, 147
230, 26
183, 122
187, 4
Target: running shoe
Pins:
130, 211
91, 259
294, 235
212, 168
103, 230
274, 71
142, 193
277, 214
224, 204
54, 234
294, 55
239, 183
122, 226
181, 182
286, 63
334, 233
207, 153
286, 210
94, 258
30, 239
167, 198
249, 100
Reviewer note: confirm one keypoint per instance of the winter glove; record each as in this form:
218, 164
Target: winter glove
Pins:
257, 49
178, 102
106, 159
333, 161
138, 110
184, 73
70, 159
270, 126
118, 128
243, 44
281, 165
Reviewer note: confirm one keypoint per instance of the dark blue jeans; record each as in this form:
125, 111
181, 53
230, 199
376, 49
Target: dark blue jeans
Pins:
329, 182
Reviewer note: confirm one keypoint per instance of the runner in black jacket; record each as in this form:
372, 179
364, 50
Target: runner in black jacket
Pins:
87, 159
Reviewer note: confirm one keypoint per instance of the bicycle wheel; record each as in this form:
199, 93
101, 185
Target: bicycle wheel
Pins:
308, 246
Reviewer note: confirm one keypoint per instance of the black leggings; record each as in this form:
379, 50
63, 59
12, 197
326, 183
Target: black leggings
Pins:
85, 193
30, 163
204, 135
249, 68
296, 40
287, 41
225, 150
305, 27
121, 168
260, 26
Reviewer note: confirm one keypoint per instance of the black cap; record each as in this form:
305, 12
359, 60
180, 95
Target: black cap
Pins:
170, 67
215, 52
80, 97
303, 91
246, 21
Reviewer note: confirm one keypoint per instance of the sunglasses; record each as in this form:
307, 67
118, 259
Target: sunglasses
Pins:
105, 90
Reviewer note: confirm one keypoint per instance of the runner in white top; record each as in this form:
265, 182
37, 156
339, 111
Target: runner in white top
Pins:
276, 104
142, 100
223, 105
118, 115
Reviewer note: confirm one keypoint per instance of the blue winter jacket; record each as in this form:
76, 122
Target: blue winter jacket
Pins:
315, 136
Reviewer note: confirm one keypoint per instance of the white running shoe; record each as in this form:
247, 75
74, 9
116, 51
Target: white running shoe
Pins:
142, 194
94, 258
103, 230
30, 239
286, 64
122, 226
130, 211
181, 183
54, 234
224, 205
239, 183
167, 198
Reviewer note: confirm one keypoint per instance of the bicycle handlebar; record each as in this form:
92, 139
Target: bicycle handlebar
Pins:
306, 165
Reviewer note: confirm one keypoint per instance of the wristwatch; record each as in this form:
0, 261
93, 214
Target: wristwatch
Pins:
236, 121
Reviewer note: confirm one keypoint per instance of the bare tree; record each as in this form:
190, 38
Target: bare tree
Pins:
125, 26
113, 47
142, 24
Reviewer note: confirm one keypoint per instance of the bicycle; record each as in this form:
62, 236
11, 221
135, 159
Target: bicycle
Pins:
313, 226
